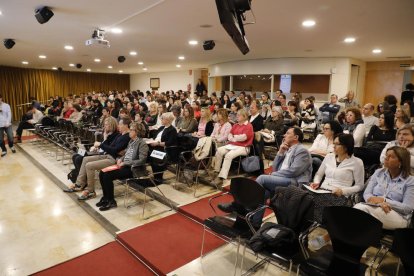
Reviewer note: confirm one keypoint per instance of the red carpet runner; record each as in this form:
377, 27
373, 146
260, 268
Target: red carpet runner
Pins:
168, 243
110, 259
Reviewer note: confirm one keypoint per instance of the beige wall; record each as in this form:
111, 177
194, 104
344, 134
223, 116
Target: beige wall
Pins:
383, 78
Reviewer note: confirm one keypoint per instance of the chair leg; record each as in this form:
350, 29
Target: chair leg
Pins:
398, 267
237, 255
242, 260
202, 243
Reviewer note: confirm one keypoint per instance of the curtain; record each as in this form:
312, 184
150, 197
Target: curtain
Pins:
17, 85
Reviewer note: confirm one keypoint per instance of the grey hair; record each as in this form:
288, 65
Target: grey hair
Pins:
169, 116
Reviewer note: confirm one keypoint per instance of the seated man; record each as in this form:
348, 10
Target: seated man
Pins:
368, 117
36, 118
329, 110
292, 165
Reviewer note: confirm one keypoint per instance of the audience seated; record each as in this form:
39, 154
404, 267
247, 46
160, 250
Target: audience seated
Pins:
324, 143
222, 128
401, 118
233, 112
239, 141
308, 115
349, 100
377, 139
135, 155
344, 176
389, 195
152, 115
255, 118
273, 125
354, 125
187, 124
36, 116
329, 110
368, 117
291, 116
405, 139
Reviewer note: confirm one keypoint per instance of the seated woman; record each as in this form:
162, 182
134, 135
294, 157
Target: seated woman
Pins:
308, 115
240, 139
273, 125
389, 195
76, 115
196, 108
376, 140
166, 137
354, 125
291, 115
205, 127
136, 155
344, 176
405, 139
152, 116
401, 118
221, 129
233, 112
187, 124
162, 108
323, 143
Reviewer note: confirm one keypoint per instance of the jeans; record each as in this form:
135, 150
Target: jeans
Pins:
9, 133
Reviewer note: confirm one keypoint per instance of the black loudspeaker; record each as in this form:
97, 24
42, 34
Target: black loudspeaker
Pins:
79, 66
60, 69
43, 14
9, 43
121, 59
209, 45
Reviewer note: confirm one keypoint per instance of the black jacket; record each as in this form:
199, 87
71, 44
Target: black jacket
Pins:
118, 144
169, 136
257, 123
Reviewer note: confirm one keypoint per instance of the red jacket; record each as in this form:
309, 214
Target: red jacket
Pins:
247, 129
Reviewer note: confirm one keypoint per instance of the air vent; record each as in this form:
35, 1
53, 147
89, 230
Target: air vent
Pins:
405, 65
402, 57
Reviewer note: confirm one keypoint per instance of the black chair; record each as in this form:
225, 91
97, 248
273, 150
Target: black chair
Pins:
249, 196
403, 246
351, 231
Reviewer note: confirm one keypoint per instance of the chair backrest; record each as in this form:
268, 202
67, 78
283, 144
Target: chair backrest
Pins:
247, 192
352, 231
403, 246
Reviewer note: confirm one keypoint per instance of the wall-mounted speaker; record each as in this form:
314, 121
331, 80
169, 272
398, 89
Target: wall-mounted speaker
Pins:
209, 45
79, 66
43, 14
121, 59
9, 43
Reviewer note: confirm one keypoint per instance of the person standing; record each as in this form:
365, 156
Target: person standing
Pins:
5, 127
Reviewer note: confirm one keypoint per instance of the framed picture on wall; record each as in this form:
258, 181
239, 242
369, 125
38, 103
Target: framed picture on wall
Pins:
155, 83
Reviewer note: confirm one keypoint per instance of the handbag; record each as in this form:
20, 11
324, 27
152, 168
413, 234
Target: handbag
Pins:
251, 163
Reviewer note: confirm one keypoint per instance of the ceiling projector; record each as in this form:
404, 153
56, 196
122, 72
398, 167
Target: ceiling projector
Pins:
98, 39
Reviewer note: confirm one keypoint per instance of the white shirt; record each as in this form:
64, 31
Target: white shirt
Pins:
5, 115
321, 143
369, 121
347, 176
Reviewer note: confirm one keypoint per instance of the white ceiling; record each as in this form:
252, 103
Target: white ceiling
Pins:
159, 31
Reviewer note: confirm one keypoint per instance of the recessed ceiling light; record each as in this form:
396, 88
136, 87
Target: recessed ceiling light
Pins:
97, 60
88, 70
140, 63
308, 23
193, 42
1, 13
109, 67
54, 68
25, 62
133, 53
181, 57
145, 68
42, 56
116, 30
71, 65
376, 51
120, 71
178, 66
349, 40
68, 47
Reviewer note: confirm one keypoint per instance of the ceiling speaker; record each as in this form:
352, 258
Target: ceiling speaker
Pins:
79, 66
209, 45
43, 14
121, 59
9, 43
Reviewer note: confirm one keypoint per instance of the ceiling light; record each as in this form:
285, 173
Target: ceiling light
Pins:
145, 68
133, 53
178, 66
116, 31
54, 68
72, 65
109, 67
349, 40
120, 71
193, 42
140, 63
376, 51
97, 60
42, 56
68, 47
181, 58
308, 23
88, 70
25, 62
1, 13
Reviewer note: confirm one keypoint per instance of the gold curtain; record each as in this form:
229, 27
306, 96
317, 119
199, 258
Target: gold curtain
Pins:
17, 85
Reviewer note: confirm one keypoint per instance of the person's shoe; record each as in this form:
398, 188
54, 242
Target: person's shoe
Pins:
13, 149
226, 207
102, 202
317, 243
3, 153
86, 195
109, 205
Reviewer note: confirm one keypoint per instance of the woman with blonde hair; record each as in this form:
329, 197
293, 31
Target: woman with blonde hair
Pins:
221, 128
205, 126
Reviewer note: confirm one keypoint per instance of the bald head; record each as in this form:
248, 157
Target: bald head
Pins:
368, 109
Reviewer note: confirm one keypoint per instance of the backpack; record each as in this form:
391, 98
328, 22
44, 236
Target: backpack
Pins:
73, 175
273, 237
